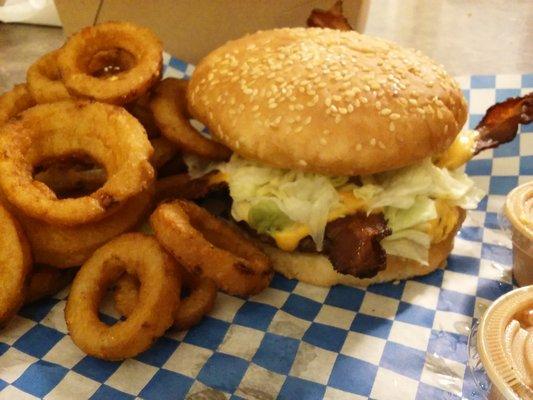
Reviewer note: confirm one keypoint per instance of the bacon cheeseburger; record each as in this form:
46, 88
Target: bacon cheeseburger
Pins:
346, 149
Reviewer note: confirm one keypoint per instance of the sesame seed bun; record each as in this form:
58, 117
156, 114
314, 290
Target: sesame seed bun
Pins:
326, 101
317, 269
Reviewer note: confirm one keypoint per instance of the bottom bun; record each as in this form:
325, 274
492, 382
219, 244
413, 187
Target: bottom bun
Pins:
316, 269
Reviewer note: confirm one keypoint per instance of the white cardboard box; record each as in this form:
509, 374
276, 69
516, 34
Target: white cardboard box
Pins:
191, 28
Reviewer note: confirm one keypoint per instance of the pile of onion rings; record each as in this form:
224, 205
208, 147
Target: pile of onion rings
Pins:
88, 147
159, 295
209, 247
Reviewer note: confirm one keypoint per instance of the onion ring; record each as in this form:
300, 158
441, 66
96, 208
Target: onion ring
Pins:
46, 281
209, 247
192, 308
14, 102
159, 295
199, 302
70, 246
71, 177
15, 266
44, 80
140, 43
170, 113
140, 109
121, 147
164, 151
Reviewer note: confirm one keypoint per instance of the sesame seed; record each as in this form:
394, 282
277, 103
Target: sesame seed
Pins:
323, 141
381, 145
337, 118
366, 88
364, 100
307, 120
350, 108
358, 147
439, 114
445, 128
303, 163
272, 105
413, 102
373, 141
392, 127
385, 111
394, 116
343, 110
328, 102
326, 132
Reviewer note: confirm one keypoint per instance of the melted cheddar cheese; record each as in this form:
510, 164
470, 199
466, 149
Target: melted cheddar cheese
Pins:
289, 238
460, 152
440, 227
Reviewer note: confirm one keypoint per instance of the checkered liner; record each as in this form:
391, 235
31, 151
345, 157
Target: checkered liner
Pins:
405, 340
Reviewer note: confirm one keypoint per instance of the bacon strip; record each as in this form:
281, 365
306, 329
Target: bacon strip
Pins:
500, 123
352, 244
332, 18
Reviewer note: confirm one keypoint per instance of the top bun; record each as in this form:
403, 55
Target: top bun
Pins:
326, 101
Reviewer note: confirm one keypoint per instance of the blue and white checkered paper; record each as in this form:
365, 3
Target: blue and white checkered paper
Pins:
404, 340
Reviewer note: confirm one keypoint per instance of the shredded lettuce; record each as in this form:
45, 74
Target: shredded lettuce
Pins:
407, 197
266, 217
408, 243
400, 188
272, 199
303, 197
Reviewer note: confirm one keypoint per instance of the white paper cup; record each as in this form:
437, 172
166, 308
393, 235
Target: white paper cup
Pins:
519, 212
494, 340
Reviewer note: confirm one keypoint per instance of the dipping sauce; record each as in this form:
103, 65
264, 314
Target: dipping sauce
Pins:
505, 345
519, 212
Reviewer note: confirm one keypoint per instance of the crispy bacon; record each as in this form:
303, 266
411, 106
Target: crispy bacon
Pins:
352, 244
332, 18
500, 123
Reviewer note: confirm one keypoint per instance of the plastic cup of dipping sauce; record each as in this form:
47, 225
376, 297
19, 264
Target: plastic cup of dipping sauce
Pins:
505, 345
519, 212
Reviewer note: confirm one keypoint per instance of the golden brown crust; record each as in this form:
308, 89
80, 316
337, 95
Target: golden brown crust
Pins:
44, 79
15, 265
317, 270
139, 43
326, 101
14, 102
